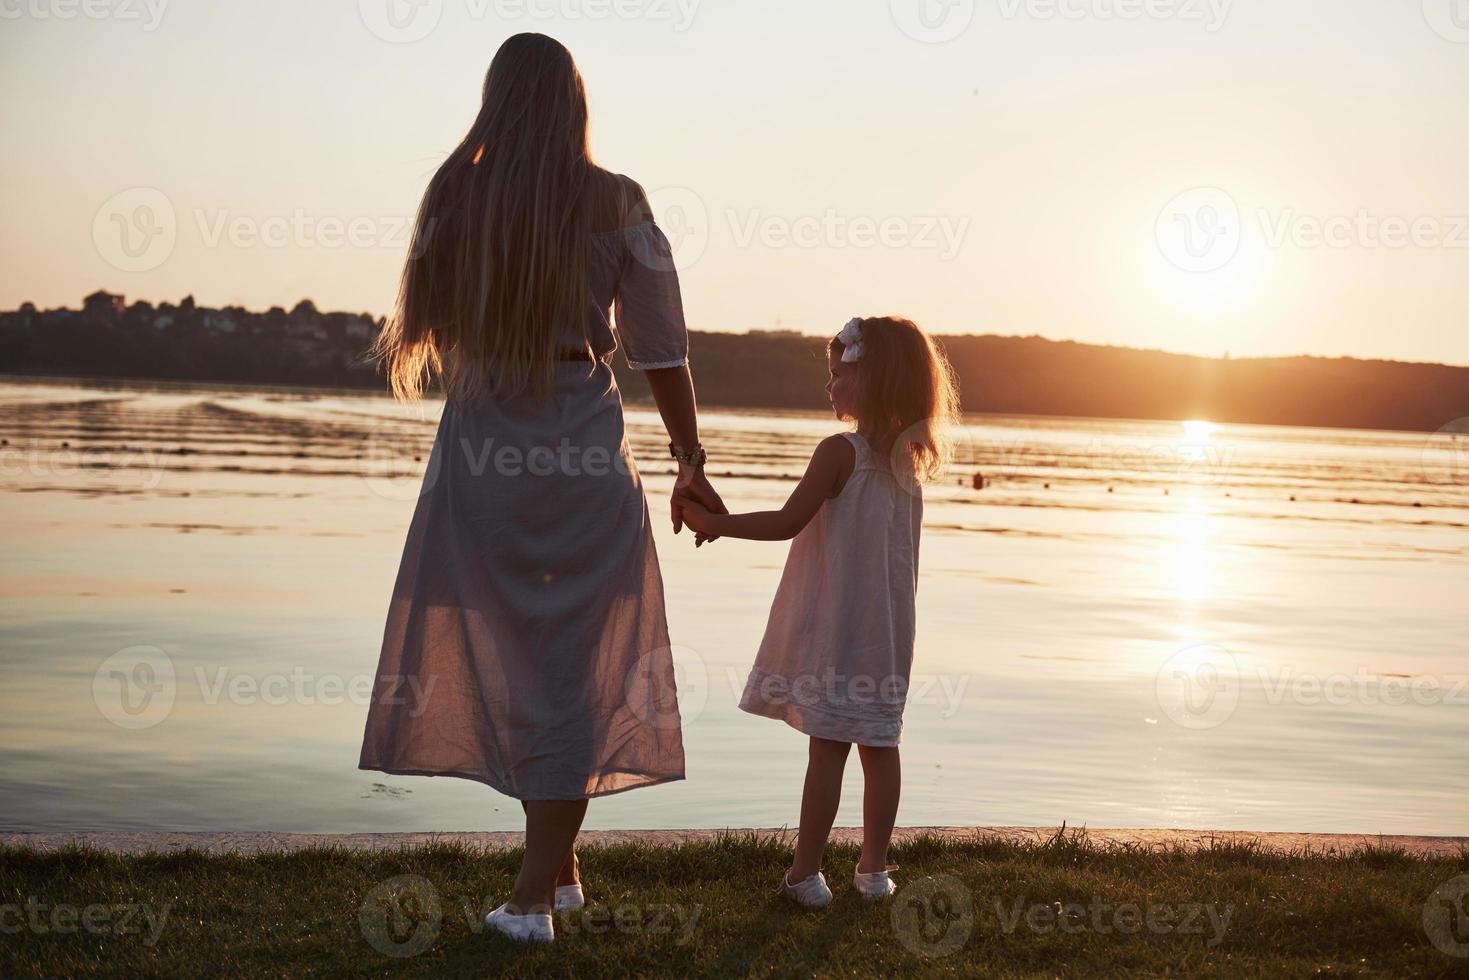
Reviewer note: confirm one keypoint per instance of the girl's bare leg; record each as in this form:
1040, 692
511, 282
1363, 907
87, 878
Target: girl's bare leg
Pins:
823, 792
882, 779
551, 827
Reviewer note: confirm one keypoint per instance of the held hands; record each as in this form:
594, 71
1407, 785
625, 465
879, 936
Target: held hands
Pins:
696, 516
694, 499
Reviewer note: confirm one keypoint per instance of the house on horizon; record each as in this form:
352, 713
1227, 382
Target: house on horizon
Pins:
104, 304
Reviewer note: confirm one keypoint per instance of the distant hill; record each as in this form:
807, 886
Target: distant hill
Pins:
759, 369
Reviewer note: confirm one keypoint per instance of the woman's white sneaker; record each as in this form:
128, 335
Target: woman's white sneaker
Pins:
528, 928
874, 885
811, 893
570, 897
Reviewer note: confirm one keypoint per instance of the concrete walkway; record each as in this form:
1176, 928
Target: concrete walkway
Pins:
123, 842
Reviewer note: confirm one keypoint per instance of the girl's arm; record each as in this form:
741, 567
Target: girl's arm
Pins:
824, 474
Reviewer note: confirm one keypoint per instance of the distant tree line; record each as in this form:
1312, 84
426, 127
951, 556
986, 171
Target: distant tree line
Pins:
759, 369
1035, 376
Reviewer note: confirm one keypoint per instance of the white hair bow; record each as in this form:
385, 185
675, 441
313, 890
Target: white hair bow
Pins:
851, 340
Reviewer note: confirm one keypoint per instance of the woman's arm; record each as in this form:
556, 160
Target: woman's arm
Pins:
673, 391
824, 475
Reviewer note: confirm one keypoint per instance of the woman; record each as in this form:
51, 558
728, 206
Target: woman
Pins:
526, 645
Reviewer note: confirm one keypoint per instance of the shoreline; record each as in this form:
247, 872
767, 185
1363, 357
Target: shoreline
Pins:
252, 843
641, 401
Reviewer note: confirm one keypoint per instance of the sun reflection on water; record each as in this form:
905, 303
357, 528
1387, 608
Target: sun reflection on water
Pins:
1193, 557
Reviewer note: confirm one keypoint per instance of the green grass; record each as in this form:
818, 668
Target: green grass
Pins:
964, 908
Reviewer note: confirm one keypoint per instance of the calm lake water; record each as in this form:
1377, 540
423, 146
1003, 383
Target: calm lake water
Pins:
1136, 624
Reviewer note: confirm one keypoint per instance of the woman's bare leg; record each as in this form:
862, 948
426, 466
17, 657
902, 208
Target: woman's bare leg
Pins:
570, 872
551, 827
882, 781
823, 792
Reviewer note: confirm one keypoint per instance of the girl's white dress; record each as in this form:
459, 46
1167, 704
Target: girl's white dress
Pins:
838, 646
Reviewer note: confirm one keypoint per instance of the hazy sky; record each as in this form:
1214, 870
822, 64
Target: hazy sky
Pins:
1256, 176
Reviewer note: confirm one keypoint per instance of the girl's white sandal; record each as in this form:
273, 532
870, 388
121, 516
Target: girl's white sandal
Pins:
874, 885
531, 927
811, 893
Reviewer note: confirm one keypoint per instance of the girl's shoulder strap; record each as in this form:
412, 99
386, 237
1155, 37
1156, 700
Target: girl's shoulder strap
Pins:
865, 455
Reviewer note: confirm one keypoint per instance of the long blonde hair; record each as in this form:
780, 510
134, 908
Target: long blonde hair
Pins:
497, 265
906, 392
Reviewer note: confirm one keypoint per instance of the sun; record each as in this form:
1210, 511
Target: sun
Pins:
1221, 295
1198, 430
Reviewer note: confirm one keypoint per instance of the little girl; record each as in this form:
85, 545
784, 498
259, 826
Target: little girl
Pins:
838, 647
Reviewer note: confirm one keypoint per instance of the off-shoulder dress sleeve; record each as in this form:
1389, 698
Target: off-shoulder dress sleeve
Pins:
649, 305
